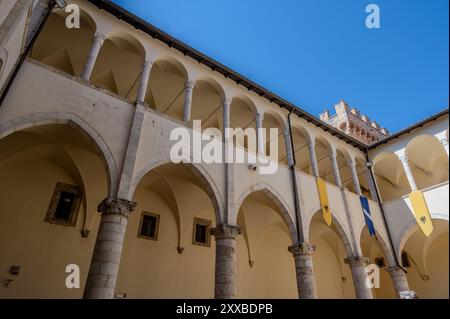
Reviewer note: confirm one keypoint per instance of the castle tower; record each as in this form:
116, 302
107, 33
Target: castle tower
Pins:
353, 123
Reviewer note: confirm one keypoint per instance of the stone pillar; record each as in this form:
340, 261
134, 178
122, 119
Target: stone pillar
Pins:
352, 165
337, 176
313, 158
143, 81
289, 151
408, 172
359, 274
225, 275
444, 142
188, 90
306, 283
260, 133
97, 43
399, 280
101, 280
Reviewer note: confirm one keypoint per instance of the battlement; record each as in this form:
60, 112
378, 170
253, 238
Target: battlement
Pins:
355, 124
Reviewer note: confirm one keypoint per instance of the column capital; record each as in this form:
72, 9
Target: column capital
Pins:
225, 231
147, 63
259, 117
444, 141
356, 261
403, 158
302, 249
311, 143
351, 162
116, 206
99, 37
189, 84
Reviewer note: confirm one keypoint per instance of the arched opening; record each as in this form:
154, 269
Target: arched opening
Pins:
53, 178
362, 171
119, 65
426, 260
428, 161
323, 155
374, 248
390, 176
265, 267
177, 263
333, 276
274, 121
345, 173
207, 103
300, 139
166, 87
242, 114
63, 48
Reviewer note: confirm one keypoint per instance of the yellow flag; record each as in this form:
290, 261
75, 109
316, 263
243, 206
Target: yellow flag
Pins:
421, 212
323, 197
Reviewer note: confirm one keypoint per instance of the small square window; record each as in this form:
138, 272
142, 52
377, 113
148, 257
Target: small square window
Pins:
149, 225
64, 205
380, 262
405, 260
201, 234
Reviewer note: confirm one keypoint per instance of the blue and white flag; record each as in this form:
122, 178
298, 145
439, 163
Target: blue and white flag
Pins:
367, 215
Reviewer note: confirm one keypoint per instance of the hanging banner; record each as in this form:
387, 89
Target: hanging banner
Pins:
421, 212
367, 215
323, 197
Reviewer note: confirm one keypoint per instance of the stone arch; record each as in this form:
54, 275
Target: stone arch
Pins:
384, 245
323, 150
336, 223
390, 176
119, 64
72, 120
167, 83
209, 186
300, 140
277, 200
207, 102
63, 48
428, 160
410, 228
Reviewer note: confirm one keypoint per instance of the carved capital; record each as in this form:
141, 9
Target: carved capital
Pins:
224, 231
98, 37
116, 206
190, 84
302, 249
444, 141
356, 261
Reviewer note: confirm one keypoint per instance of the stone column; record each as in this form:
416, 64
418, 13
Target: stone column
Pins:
306, 283
289, 151
188, 90
313, 158
399, 280
352, 165
408, 172
337, 176
260, 133
225, 275
444, 142
101, 280
143, 81
359, 274
97, 43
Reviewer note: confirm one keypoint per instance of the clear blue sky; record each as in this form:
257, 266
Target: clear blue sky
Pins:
315, 52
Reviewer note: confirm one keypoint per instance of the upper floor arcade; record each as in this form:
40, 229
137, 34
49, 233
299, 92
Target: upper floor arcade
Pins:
131, 65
